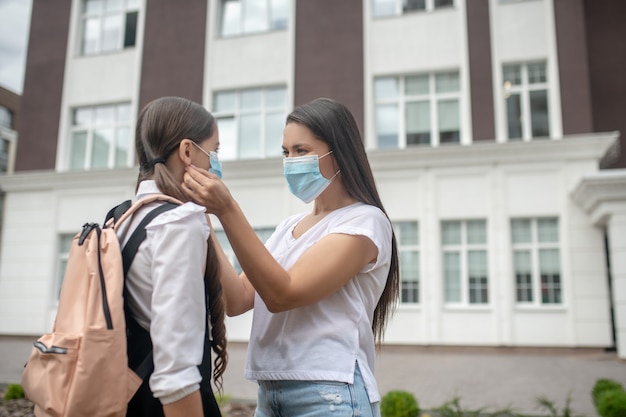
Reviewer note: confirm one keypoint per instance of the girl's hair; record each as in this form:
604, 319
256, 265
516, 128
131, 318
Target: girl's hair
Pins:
332, 122
161, 126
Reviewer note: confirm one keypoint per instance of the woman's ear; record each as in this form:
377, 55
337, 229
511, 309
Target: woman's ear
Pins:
184, 151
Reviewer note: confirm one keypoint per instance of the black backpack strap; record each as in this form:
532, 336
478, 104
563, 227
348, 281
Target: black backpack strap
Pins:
145, 366
138, 236
116, 212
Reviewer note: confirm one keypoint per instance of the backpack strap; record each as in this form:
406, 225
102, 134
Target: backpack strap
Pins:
138, 236
146, 366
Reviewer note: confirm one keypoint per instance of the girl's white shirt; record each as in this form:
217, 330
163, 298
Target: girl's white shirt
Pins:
323, 341
166, 292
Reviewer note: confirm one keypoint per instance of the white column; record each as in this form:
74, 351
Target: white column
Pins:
616, 230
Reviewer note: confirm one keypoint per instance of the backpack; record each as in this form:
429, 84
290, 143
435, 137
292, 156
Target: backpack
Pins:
81, 367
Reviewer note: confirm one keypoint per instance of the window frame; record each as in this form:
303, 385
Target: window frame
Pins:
236, 114
535, 247
524, 90
64, 240
463, 248
413, 285
398, 6
433, 98
128, 8
271, 9
90, 129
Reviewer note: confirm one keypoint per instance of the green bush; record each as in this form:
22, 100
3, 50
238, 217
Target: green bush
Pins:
603, 385
612, 403
399, 404
14, 392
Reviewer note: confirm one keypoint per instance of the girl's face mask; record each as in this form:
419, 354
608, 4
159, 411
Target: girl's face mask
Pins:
216, 165
304, 178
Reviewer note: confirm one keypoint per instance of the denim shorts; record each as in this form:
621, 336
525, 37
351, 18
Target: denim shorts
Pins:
315, 398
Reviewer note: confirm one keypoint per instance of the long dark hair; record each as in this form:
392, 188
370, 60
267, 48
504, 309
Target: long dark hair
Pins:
161, 126
333, 123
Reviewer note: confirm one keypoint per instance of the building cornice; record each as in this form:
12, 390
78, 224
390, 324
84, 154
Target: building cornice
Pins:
590, 147
601, 194
50, 180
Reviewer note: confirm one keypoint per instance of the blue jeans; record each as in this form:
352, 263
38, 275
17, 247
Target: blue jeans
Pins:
315, 398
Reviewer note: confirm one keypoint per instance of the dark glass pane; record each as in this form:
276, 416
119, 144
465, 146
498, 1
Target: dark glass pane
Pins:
413, 5
130, 31
539, 113
514, 116
418, 139
443, 3
450, 137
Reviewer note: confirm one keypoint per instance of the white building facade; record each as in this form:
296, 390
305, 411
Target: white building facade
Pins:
478, 119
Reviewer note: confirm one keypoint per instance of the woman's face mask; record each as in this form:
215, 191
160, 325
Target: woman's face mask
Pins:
304, 178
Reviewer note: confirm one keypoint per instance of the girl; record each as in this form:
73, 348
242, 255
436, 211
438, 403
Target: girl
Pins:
173, 288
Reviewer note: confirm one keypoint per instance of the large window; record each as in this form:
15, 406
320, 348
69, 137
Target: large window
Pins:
251, 122
407, 235
465, 266
526, 100
108, 25
536, 261
397, 7
100, 137
416, 110
239, 17
263, 233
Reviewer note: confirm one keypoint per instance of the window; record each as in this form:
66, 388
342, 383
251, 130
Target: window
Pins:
251, 122
383, 8
526, 100
466, 278
536, 261
108, 25
417, 110
65, 243
6, 118
240, 17
407, 235
100, 137
263, 233
5, 154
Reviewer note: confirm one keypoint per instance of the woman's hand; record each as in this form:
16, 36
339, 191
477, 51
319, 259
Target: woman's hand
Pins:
207, 190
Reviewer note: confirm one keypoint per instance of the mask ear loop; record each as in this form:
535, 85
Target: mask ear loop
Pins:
336, 173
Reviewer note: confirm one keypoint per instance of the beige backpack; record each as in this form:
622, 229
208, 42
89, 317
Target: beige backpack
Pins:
81, 367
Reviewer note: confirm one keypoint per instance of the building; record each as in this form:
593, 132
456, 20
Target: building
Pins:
492, 126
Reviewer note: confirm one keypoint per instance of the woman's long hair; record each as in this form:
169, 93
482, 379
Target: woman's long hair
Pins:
161, 126
333, 123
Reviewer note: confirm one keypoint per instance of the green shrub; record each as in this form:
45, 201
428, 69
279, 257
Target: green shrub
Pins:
14, 392
551, 408
453, 408
603, 385
612, 403
399, 404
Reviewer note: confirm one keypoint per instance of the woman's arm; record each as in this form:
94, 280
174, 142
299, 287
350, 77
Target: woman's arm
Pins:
237, 290
319, 272
189, 406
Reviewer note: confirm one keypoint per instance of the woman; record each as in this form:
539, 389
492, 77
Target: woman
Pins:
173, 283
325, 284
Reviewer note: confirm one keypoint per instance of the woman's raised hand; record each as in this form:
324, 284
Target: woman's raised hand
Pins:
207, 190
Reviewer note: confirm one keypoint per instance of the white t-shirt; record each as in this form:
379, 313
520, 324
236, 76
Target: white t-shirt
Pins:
323, 341
166, 287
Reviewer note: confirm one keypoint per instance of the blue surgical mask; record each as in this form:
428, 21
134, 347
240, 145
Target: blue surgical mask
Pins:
216, 165
304, 178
